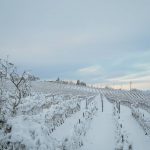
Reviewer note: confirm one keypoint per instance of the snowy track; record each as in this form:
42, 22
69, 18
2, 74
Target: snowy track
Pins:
101, 130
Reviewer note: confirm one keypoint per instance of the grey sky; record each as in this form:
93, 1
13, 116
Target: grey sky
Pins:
93, 40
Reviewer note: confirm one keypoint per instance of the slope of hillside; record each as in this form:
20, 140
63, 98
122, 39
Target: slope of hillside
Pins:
69, 117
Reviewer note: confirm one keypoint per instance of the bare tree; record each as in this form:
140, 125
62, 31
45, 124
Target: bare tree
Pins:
22, 87
21, 84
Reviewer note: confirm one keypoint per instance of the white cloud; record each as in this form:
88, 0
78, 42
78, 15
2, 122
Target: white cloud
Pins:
91, 70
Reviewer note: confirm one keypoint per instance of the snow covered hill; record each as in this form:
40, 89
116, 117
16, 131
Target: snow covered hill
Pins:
60, 116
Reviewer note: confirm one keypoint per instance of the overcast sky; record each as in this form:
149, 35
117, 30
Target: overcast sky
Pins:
92, 40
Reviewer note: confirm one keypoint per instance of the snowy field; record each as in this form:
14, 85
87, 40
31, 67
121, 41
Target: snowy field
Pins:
57, 116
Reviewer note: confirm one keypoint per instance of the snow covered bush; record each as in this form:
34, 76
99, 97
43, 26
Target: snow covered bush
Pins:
143, 122
19, 87
13, 89
26, 134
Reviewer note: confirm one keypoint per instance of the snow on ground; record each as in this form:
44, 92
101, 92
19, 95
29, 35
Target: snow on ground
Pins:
67, 128
46, 119
136, 134
63, 116
101, 132
145, 113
